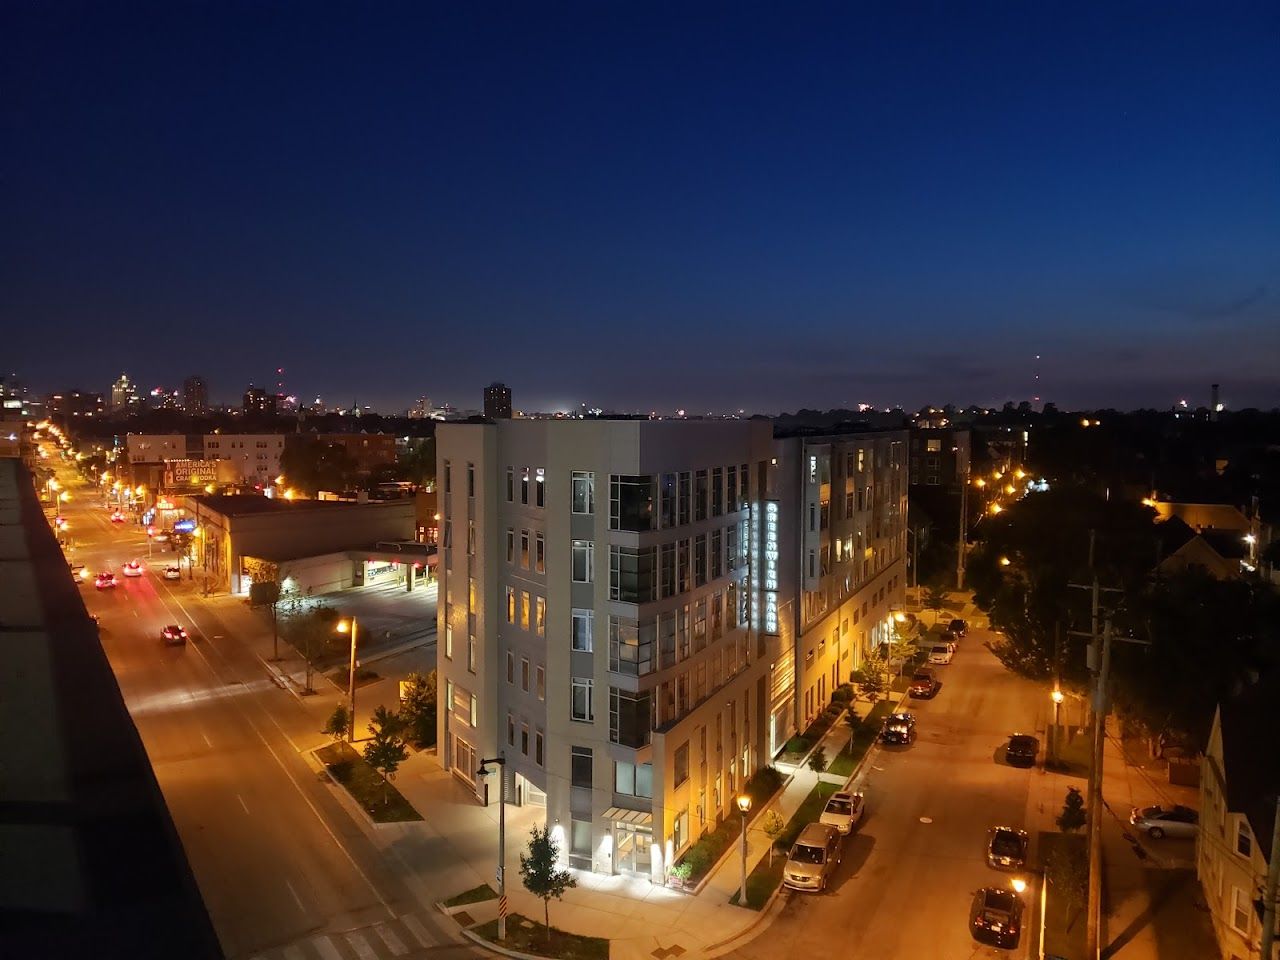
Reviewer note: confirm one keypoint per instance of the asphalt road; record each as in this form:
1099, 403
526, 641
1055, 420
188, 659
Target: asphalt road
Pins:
904, 887
278, 860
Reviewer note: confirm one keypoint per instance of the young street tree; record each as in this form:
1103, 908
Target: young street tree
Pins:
385, 750
935, 599
1072, 817
818, 760
774, 827
540, 876
418, 708
266, 589
871, 678
308, 631
338, 722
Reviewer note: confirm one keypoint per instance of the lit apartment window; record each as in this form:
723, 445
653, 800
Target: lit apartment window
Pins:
580, 699
540, 615
584, 492
541, 485
582, 621
524, 485
511, 605
583, 561
933, 446
524, 610
1240, 910
471, 652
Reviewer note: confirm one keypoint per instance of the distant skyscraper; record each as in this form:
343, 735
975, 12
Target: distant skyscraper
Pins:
124, 395
497, 401
195, 395
257, 400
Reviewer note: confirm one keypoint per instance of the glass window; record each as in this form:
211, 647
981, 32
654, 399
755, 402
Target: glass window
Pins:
448, 640
524, 549
580, 837
667, 639
583, 565
524, 739
628, 717
717, 491
471, 595
511, 731
475, 711
471, 479
1244, 839
511, 605
624, 778
511, 545
667, 571
631, 646
524, 674
580, 699
511, 484
717, 558
540, 675
584, 492
539, 553
511, 667
524, 611
1240, 909
630, 503
686, 494
699, 625
682, 763
580, 767
582, 621
700, 560
700, 495
667, 499
632, 574
644, 780
537, 747
540, 616
683, 581
731, 488
448, 477
540, 484
471, 652
524, 485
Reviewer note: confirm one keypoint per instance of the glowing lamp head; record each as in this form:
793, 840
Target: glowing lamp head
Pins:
1057, 696
1019, 885
344, 626
1005, 561
744, 803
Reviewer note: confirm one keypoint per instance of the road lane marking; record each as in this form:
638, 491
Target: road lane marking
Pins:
296, 899
361, 946
324, 946
288, 775
391, 940
246, 810
415, 927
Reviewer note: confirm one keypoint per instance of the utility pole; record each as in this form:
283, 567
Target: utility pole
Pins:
960, 542
501, 761
1270, 891
1094, 913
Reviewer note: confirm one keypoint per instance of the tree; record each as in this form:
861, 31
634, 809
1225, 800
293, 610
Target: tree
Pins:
774, 827
338, 723
935, 599
870, 679
418, 708
541, 877
266, 590
385, 750
818, 760
311, 465
308, 630
1072, 817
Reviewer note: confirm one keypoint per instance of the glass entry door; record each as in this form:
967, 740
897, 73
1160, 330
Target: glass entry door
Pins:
632, 846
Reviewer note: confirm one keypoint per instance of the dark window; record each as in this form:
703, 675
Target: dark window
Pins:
731, 489
632, 574
628, 717
580, 769
717, 492
667, 492
667, 571
630, 503
700, 495
700, 560
685, 495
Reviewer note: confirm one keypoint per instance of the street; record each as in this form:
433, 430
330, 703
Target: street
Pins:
280, 863
904, 887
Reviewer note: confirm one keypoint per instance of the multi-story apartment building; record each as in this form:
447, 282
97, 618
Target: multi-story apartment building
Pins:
608, 623
844, 511
939, 456
256, 455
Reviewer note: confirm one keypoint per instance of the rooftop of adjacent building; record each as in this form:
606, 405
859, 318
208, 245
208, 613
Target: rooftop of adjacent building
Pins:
251, 504
1251, 763
90, 863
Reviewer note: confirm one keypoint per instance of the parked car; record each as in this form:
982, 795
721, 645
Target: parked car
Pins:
942, 653
958, 628
899, 729
996, 917
105, 580
173, 634
1161, 821
173, 572
1022, 750
924, 683
133, 569
1006, 848
843, 811
813, 858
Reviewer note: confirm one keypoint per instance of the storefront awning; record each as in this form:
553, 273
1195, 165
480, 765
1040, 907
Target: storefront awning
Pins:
637, 818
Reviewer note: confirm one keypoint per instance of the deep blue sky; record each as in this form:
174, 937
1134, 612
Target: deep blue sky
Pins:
645, 206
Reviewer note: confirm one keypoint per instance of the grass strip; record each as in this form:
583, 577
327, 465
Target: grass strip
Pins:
381, 801
526, 936
764, 879
474, 895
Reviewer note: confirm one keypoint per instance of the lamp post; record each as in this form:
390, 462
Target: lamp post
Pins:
501, 761
1057, 698
744, 805
343, 627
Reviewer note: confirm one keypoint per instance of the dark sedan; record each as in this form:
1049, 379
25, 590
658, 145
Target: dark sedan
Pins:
1022, 750
996, 917
899, 729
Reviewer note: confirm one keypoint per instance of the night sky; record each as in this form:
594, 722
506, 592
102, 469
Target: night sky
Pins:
645, 206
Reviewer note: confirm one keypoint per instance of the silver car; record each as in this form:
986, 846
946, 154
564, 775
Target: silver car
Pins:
843, 811
1160, 821
813, 858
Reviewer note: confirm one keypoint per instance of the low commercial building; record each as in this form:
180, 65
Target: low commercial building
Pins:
1239, 784
327, 545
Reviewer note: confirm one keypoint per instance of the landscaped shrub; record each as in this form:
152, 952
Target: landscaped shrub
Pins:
843, 694
797, 745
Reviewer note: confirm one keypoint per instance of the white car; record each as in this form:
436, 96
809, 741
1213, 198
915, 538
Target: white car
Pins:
942, 652
133, 569
843, 811
172, 573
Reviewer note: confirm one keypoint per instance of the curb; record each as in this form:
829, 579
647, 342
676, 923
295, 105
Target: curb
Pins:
764, 918
492, 947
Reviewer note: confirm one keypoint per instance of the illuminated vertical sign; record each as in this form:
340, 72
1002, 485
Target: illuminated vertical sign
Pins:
755, 566
769, 575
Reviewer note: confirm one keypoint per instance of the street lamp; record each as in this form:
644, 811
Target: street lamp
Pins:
1019, 885
744, 805
484, 771
343, 627
1057, 699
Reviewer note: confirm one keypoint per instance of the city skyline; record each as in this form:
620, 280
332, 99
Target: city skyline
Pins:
769, 213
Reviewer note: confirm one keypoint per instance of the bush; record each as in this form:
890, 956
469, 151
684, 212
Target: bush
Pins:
797, 745
834, 709
843, 694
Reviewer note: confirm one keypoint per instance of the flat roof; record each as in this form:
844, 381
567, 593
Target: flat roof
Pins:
249, 504
90, 862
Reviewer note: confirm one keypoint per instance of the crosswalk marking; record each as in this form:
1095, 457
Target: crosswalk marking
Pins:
391, 940
361, 946
415, 927
326, 949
